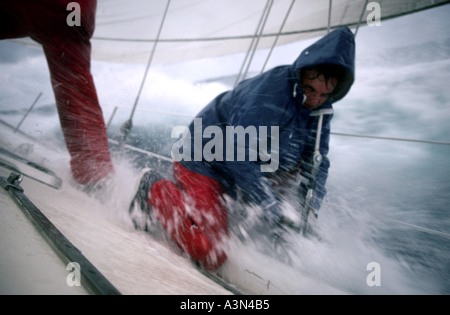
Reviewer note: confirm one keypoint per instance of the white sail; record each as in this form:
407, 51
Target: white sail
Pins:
126, 30
192, 29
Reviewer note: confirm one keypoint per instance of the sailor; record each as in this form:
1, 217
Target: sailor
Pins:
296, 99
67, 48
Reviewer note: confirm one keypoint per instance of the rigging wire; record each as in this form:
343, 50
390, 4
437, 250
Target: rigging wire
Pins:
278, 36
28, 111
126, 127
391, 138
329, 16
255, 40
418, 228
361, 16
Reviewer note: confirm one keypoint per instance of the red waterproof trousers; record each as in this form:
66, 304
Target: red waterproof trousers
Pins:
68, 52
192, 212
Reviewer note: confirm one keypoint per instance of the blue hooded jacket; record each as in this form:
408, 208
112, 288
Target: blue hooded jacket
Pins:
273, 98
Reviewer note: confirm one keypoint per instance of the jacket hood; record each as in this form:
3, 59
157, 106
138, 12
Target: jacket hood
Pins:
337, 48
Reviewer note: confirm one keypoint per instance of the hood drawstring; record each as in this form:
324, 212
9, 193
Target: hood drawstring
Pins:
294, 93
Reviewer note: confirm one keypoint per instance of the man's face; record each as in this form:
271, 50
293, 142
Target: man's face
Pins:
316, 89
